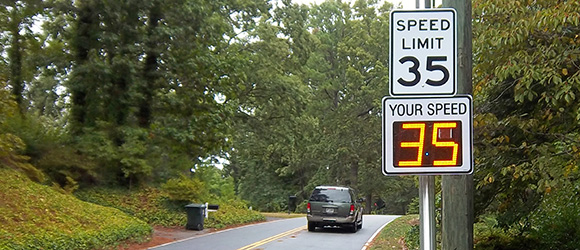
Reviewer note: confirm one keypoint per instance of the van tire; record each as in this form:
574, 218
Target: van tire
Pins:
311, 226
354, 227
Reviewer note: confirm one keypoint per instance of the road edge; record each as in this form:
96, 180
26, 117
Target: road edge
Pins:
372, 238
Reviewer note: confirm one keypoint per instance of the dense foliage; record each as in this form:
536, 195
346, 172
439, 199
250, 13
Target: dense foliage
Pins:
138, 92
310, 114
129, 88
527, 79
34, 216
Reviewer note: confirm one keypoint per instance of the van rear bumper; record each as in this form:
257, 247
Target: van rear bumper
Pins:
330, 220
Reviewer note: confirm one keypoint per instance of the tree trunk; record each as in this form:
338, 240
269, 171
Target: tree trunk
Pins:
354, 174
82, 45
15, 62
150, 73
368, 203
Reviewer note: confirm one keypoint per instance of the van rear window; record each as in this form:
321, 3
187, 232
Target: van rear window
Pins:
330, 195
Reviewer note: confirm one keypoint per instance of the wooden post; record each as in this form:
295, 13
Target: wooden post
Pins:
457, 190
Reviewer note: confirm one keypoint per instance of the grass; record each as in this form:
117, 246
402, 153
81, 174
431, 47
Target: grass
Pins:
393, 235
35, 216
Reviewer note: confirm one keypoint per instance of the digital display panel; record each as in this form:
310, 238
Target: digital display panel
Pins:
427, 144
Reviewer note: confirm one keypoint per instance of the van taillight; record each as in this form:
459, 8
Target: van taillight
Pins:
351, 209
308, 208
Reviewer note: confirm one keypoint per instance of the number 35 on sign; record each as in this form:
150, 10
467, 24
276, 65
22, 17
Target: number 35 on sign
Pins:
423, 51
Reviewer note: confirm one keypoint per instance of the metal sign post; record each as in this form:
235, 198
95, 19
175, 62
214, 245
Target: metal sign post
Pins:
427, 230
427, 212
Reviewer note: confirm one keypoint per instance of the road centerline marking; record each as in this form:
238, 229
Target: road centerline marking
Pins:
272, 238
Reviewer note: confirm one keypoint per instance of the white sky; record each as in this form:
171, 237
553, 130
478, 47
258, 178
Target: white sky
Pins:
407, 4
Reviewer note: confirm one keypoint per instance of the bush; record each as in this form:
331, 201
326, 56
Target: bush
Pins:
555, 224
412, 238
149, 204
233, 213
413, 207
185, 189
557, 220
156, 208
302, 207
488, 235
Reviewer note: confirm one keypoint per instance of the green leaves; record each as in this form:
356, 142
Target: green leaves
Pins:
186, 188
526, 91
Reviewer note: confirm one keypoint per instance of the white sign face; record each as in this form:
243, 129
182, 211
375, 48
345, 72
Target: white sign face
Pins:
427, 135
423, 52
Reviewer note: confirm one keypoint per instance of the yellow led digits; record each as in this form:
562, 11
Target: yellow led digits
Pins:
410, 149
418, 144
455, 146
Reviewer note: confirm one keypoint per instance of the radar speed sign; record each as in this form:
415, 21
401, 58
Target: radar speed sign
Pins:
428, 135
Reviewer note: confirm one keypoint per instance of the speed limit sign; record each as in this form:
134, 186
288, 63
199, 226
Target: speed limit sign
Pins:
423, 52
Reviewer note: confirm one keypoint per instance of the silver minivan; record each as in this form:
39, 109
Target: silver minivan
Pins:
334, 206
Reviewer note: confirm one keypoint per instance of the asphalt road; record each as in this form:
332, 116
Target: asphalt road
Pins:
287, 234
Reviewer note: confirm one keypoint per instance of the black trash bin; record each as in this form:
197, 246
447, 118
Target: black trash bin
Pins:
195, 216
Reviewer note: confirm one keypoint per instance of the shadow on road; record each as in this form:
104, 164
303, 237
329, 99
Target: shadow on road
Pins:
333, 230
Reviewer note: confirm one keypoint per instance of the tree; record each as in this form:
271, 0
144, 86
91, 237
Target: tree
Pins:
142, 86
17, 19
526, 126
348, 74
328, 60
269, 141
